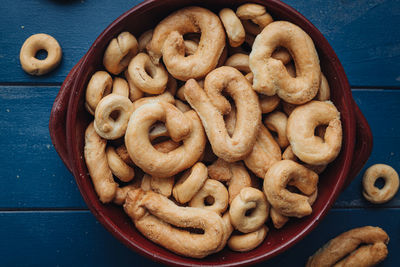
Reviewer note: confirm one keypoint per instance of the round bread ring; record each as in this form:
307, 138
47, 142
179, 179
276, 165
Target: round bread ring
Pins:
105, 125
35, 43
247, 242
239, 61
118, 167
389, 190
276, 122
190, 183
119, 52
300, 129
249, 198
240, 179
267, 103
270, 75
233, 27
120, 87
212, 105
286, 172
214, 189
154, 84
180, 126
159, 219
168, 42
144, 39
96, 162
266, 152
100, 85
345, 249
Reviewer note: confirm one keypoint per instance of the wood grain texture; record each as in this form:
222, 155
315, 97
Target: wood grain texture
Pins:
67, 238
357, 30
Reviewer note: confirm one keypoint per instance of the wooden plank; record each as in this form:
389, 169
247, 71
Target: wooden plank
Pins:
363, 34
34, 176
77, 239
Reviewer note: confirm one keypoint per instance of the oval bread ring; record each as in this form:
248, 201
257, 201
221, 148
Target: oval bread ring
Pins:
108, 127
31, 46
254, 17
96, 162
119, 52
270, 75
211, 105
288, 154
180, 125
168, 42
300, 129
253, 199
389, 190
118, 167
190, 183
153, 83
239, 61
276, 122
100, 85
285, 202
267, 103
161, 220
248, 241
120, 87
214, 189
134, 92
233, 27
345, 249
144, 39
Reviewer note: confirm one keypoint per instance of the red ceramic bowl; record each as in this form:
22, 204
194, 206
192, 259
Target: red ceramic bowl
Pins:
69, 120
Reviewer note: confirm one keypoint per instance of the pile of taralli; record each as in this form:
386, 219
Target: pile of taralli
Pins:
207, 126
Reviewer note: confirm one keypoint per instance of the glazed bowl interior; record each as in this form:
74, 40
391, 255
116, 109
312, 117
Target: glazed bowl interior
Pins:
145, 16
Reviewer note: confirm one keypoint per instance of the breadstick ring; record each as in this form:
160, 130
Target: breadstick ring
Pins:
97, 164
214, 191
167, 42
249, 200
185, 127
100, 85
119, 52
118, 167
233, 27
388, 191
270, 75
165, 223
364, 246
211, 105
34, 44
190, 183
248, 241
148, 77
105, 124
301, 125
276, 122
285, 202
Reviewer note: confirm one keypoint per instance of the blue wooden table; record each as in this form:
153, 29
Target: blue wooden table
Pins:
43, 219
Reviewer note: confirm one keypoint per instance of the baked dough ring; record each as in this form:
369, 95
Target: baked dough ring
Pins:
118, 167
373, 241
158, 218
290, 204
144, 39
233, 27
190, 183
96, 162
35, 43
212, 105
240, 179
248, 241
186, 127
270, 75
153, 82
267, 103
300, 129
276, 122
120, 87
168, 42
254, 17
389, 190
108, 127
249, 198
288, 154
119, 52
218, 193
100, 85
239, 61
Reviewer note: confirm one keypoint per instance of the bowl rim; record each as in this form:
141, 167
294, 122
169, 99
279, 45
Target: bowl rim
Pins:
75, 157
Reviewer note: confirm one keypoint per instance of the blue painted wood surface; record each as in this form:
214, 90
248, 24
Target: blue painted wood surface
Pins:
43, 219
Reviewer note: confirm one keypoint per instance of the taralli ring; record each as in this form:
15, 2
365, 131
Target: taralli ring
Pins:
110, 127
34, 44
240, 179
118, 167
239, 61
216, 192
233, 27
374, 194
99, 86
364, 246
253, 199
190, 183
248, 241
276, 122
